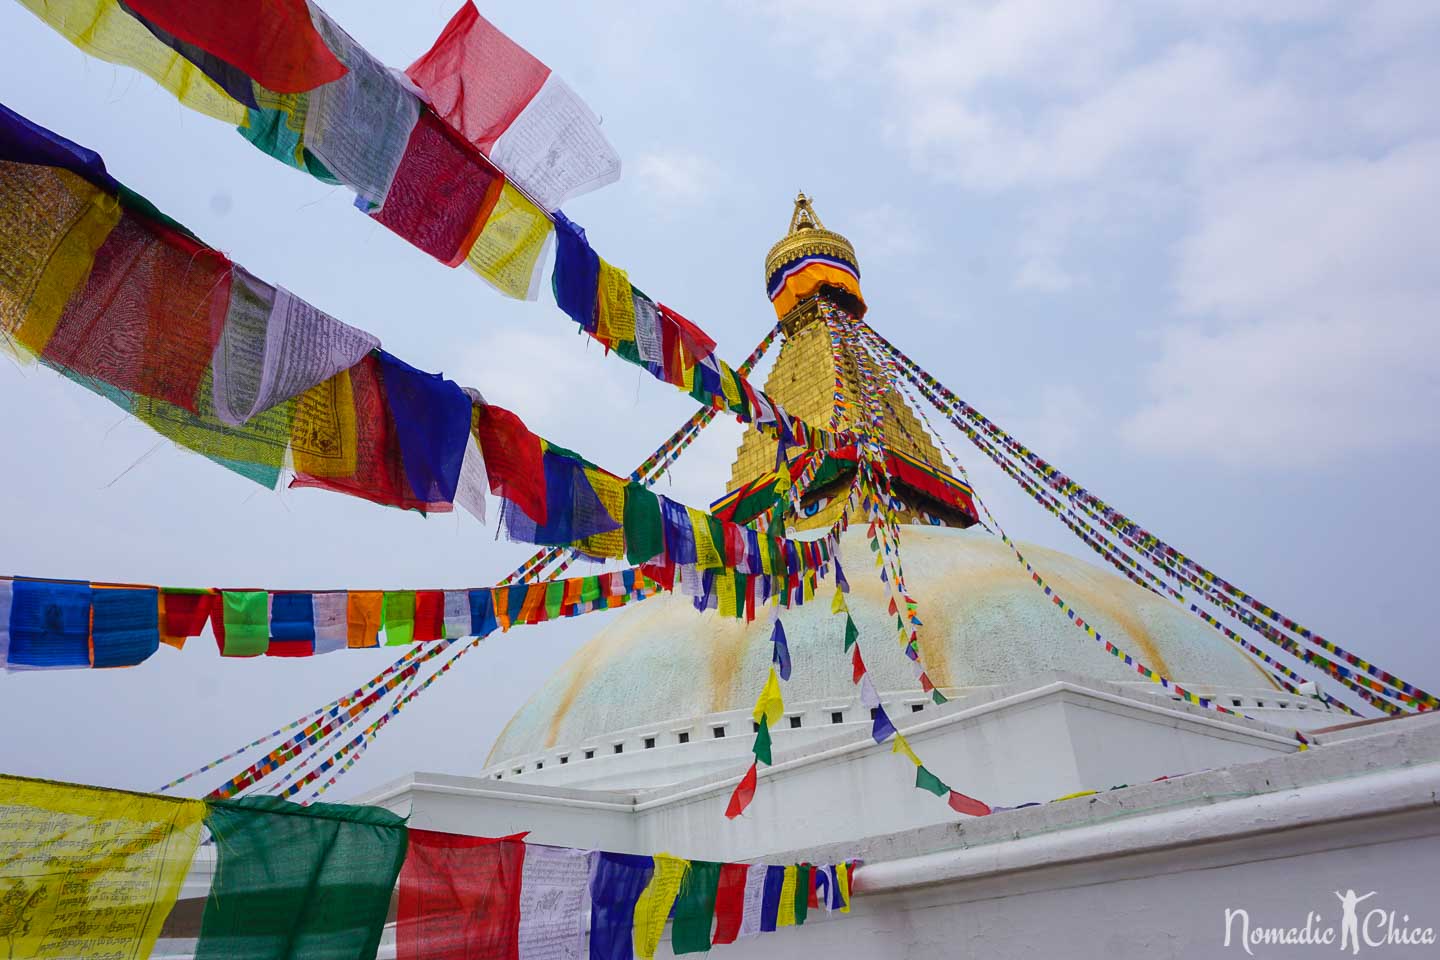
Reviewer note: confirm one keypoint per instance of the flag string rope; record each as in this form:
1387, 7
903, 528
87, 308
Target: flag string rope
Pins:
1164, 555
1356, 682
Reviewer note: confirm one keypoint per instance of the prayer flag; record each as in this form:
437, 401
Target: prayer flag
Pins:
785, 911
364, 615
291, 881
482, 613
925, 780
770, 706
429, 615
273, 41
577, 271
762, 742
903, 746
432, 420
967, 805
744, 792
442, 194
857, 666
125, 629
852, 632
359, 125
477, 78
398, 614
243, 629
459, 897
554, 901
695, 908
882, 727
184, 613
730, 901
771, 897
90, 873
49, 625
781, 655
331, 621
618, 881
457, 613
652, 908
292, 625
842, 877
509, 253
514, 460
803, 893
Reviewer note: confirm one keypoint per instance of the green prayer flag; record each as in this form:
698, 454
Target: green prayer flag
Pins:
644, 532
694, 910
802, 893
295, 881
762, 742
938, 697
717, 537
398, 615
852, 632
589, 589
554, 598
925, 780
247, 623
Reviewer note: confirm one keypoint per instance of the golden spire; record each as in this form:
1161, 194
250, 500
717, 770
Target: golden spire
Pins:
807, 236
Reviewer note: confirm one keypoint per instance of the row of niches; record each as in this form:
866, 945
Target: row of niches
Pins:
720, 726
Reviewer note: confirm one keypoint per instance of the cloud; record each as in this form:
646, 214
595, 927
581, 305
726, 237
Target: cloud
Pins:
1311, 290
676, 177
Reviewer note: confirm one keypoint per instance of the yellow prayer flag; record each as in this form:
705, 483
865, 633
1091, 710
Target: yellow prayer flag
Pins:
785, 917
771, 705
725, 593
728, 386
903, 746
102, 29
653, 907
614, 305
837, 603
610, 490
55, 222
842, 877
324, 441
707, 555
89, 873
507, 254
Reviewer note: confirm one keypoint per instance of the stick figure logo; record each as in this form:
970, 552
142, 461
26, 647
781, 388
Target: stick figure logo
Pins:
1349, 922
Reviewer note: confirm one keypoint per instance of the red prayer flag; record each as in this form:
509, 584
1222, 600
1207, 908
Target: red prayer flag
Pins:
967, 805
925, 683
185, 613
459, 897
273, 41
857, 663
814, 894
443, 192
429, 615
730, 902
149, 315
697, 341
476, 78
744, 793
514, 459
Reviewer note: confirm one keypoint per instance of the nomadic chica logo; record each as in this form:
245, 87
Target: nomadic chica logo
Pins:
1376, 927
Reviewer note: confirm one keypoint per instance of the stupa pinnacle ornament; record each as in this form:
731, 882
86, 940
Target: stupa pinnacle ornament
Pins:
810, 258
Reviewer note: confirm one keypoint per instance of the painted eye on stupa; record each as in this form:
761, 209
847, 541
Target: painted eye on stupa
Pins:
810, 509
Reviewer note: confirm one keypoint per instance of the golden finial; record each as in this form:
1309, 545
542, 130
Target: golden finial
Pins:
807, 235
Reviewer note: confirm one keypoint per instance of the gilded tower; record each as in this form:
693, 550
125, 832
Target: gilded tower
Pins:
813, 381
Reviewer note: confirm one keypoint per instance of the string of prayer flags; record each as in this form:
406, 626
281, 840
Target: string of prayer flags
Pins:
1165, 558
511, 107
90, 873
318, 880
299, 881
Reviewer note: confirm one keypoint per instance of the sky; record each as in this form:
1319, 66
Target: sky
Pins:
1184, 250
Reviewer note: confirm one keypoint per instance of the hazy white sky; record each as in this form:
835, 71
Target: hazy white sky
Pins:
1185, 250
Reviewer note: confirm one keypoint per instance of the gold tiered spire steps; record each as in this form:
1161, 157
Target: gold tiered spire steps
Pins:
804, 381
